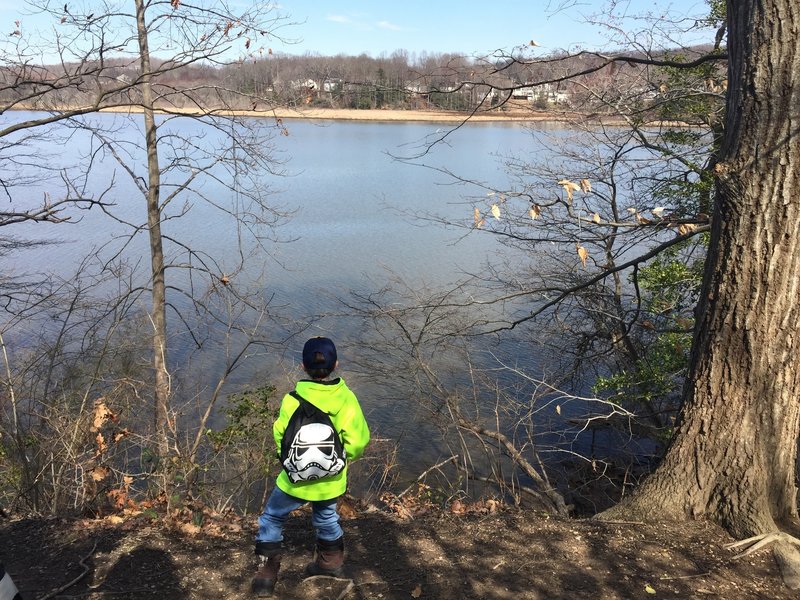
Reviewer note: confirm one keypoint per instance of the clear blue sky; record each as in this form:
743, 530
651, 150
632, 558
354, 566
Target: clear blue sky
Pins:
354, 26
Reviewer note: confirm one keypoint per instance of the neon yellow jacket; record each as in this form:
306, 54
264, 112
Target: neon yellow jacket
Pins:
336, 399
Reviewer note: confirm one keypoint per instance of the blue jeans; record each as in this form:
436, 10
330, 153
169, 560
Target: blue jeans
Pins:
324, 517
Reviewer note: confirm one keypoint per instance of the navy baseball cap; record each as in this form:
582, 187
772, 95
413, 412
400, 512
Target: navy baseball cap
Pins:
319, 353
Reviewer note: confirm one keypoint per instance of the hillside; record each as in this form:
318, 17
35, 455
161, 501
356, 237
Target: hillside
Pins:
479, 553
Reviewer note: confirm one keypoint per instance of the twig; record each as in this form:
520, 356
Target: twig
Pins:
113, 592
425, 473
604, 522
86, 569
670, 578
346, 590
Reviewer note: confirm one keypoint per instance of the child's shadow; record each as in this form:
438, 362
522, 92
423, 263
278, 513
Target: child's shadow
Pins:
143, 572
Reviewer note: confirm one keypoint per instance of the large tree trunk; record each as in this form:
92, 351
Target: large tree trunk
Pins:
734, 455
158, 312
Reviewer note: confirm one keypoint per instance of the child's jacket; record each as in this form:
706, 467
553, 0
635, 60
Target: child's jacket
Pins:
336, 399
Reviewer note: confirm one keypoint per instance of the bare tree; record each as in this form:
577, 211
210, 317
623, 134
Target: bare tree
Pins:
194, 151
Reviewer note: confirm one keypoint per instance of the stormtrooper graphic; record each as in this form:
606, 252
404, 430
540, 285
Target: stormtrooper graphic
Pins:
312, 454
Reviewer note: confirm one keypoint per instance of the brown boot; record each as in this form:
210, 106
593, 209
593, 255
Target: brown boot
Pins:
269, 564
329, 560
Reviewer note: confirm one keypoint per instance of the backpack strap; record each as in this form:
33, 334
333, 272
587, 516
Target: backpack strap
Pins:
297, 397
300, 400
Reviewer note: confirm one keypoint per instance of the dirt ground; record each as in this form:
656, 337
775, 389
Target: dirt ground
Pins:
487, 553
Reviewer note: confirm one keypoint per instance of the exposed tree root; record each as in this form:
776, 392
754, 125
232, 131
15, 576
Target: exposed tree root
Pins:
755, 543
785, 550
86, 569
350, 584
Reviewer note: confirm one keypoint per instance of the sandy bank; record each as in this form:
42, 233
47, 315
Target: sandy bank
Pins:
515, 113
386, 115
410, 115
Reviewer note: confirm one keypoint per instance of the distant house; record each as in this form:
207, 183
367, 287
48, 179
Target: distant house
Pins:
546, 91
303, 84
332, 85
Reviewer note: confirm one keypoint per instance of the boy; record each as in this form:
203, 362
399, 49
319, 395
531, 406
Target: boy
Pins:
302, 481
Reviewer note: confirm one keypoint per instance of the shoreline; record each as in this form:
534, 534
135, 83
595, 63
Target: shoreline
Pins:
395, 115
517, 114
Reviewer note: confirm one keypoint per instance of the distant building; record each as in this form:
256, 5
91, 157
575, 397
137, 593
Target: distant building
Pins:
546, 91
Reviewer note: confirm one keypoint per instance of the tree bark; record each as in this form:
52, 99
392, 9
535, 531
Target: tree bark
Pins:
158, 312
734, 454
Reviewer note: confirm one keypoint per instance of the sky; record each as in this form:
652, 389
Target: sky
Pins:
469, 27
352, 27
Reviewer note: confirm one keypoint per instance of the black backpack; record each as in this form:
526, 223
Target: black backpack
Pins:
311, 447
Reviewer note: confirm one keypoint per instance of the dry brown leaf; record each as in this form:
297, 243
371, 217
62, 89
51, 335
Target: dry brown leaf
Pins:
478, 219
583, 253
457, 507
535, 211
586, 186
658, 211
569, 187
346, 508
99, 473
596, 218
417, 591
685, 228
101, 414
101, 444
189, 528
122, 433
118, 498
642, 220
495, 211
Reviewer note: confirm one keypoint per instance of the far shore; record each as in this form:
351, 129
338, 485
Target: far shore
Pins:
515, 113
442, 116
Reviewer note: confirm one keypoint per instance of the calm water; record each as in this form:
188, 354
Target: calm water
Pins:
352, 206
354, 226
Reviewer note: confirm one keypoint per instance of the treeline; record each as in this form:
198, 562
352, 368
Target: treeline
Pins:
397, 81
